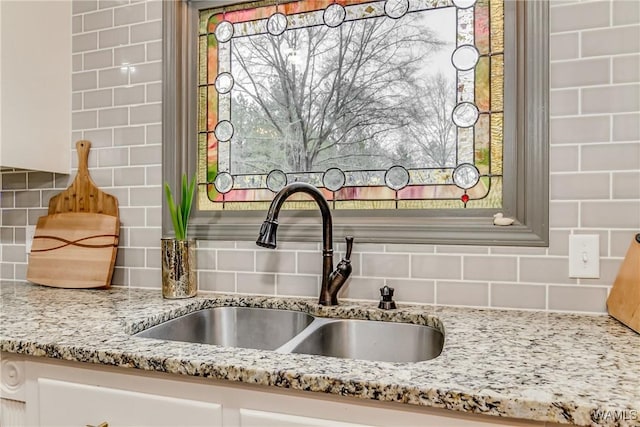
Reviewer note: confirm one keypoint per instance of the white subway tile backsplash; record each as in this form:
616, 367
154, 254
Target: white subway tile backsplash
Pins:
26, 199
154, 92
132, 217
564, 46
125, 55
362, 288
256, 283
146, 155
129, 14
579, 130
130, 135
626, 185
545, 270
436, 266
154, 216
626, 69
14, 253
113, 117
84, 42
577, 298
150, 113
114, 37
611, 157
579, 16
582, 72
579, 186
517, 295
154, 10
277, 261
216, 281
128, 176
611, 99
626, 12
84, 120
231, 260
462, 293
99, 138
83, 6
112, 77
594, 72
147, 237
98, 98
626, 127
611, 214
84, 81
76, 102
611, 41
297, 285
154, 51
98, 20
490, 268
416, 291
620, 242
564, 102
146, 32
37, 180
310, 262
145, 196
385, 265
112, 156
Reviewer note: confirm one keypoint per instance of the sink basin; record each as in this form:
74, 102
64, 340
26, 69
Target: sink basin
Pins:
371, 340
245, 327
295, 332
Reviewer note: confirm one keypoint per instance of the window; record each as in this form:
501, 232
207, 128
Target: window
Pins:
383, 191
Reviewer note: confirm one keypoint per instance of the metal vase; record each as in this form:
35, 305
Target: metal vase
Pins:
179, 279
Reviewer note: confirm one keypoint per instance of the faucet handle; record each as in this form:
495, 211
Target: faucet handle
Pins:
349, 240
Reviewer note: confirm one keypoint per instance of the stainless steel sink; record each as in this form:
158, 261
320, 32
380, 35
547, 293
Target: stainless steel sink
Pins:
245, 327
369, 340
295, 332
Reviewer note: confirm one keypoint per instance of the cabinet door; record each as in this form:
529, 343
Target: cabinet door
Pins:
69, 404
251, 418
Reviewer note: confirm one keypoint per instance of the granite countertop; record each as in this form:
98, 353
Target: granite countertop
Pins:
524, 364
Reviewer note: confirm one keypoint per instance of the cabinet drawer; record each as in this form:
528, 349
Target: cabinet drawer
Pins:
63, 403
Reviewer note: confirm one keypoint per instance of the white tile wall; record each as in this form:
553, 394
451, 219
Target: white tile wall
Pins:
595, 174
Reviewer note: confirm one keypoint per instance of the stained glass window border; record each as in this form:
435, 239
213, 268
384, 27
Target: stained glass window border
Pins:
486, 194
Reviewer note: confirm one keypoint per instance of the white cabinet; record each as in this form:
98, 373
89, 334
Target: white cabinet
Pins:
35, 85
63, 403
53, 392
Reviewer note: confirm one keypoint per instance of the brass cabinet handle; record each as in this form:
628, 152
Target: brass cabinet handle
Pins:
102, 424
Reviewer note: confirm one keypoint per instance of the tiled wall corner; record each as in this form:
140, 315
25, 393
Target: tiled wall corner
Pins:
594, 182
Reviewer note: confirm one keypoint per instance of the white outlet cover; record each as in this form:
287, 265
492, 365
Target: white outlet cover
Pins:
584, 256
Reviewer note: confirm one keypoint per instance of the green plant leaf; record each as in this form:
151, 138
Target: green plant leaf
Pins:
172, 209
181, 210
180, 231
187, 202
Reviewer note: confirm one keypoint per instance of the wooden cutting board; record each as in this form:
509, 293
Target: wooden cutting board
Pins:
624, 299
75, 245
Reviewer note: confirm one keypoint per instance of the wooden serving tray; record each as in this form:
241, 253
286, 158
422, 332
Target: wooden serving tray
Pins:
75, 245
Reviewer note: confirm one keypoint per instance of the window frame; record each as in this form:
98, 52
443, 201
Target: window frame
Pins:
526, 199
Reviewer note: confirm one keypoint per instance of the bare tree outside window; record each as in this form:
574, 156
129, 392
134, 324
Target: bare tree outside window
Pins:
362, 96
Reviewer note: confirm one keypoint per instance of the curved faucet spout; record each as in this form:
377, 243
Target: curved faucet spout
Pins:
331, 281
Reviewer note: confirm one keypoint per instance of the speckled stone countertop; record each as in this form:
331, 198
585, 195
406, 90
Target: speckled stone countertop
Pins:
532, 365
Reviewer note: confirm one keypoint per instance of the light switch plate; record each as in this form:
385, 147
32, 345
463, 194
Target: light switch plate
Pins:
584, 256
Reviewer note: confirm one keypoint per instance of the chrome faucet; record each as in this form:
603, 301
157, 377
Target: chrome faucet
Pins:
332, 280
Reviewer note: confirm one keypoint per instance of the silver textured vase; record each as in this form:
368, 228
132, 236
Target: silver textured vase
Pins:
179, 279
